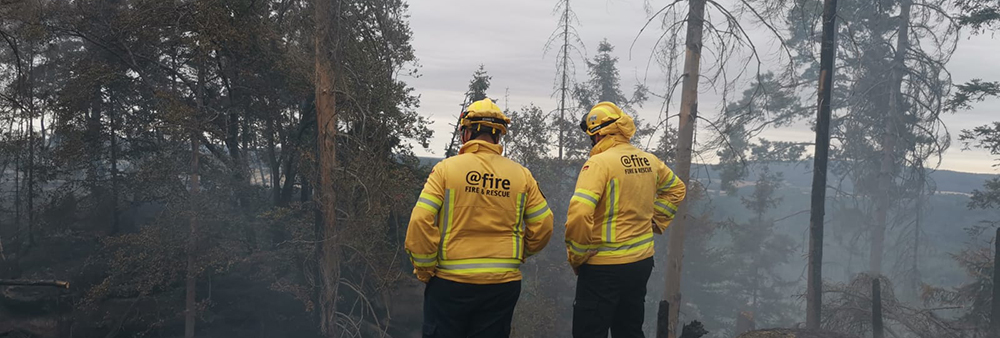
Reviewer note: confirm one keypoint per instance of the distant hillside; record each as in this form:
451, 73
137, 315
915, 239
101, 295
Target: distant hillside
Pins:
800, 175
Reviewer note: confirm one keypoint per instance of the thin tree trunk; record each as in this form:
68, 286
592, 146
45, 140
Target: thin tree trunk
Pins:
31, 153
18, 168
189, 298
889, 140
326, 120
689, 113
995, 311
814, 290
915, 268
878, 330
192, 245
562, 88
31, 179
114, 173
272, 161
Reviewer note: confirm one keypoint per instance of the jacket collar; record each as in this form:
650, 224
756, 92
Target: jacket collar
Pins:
608, 142
478, 146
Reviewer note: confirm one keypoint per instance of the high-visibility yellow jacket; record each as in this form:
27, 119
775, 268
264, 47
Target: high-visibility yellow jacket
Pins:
622, 196
477, 219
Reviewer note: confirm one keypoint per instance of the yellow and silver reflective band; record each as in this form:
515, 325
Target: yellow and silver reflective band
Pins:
580, 249
538, 212
611, 212
612, 249
479, 265
429, 202
519, 226
636, 244
585, 196
423, 260
665, 207
445, 222
669, 183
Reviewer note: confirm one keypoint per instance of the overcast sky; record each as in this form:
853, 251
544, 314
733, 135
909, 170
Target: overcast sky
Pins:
452, 37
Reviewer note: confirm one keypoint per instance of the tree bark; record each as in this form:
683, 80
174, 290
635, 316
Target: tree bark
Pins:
915, 267
889, 140
877, 329
326, 120
189, 297
272, 160
192, 244
814, 289
688, 115
114, 172
995, 311
31, 158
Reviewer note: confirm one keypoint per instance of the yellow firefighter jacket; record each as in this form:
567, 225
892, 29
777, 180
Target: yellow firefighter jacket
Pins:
622, 196
477, 219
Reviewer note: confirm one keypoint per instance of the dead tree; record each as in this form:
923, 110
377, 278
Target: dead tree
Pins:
689, 112
326, 118
814, 290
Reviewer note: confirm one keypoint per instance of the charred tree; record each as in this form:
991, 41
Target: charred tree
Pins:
878, 331
814, 290
688, 115
329, 260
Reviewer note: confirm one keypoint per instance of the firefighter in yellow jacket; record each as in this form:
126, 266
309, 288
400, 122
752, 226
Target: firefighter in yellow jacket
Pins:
478, 218
623, 195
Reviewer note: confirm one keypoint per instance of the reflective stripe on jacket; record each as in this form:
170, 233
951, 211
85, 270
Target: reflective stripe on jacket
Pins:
477, 219
623, 195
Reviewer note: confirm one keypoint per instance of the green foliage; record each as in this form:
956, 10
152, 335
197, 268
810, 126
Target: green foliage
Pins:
767, 103
528, 136
479, 84
115, 91
970, 92
604, 83
980, 15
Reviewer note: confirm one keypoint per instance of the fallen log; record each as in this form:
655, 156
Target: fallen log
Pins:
28, 282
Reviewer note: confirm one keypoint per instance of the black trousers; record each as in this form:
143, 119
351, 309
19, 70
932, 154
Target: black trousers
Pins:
611, 297
460, 310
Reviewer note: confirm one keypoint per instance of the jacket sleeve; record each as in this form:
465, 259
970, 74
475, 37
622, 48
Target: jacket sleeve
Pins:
670, 192
580, 217
422, 234
537, 220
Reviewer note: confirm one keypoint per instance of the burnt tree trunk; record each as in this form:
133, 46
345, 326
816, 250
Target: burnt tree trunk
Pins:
878, 331
326, 120
685, 143
814, 289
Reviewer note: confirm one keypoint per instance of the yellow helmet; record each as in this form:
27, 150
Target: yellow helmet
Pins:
606, 118
485, 113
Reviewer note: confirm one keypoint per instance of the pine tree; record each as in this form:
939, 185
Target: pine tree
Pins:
565, 39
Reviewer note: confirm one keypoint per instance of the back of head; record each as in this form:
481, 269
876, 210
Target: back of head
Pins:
606, 118
484, 117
